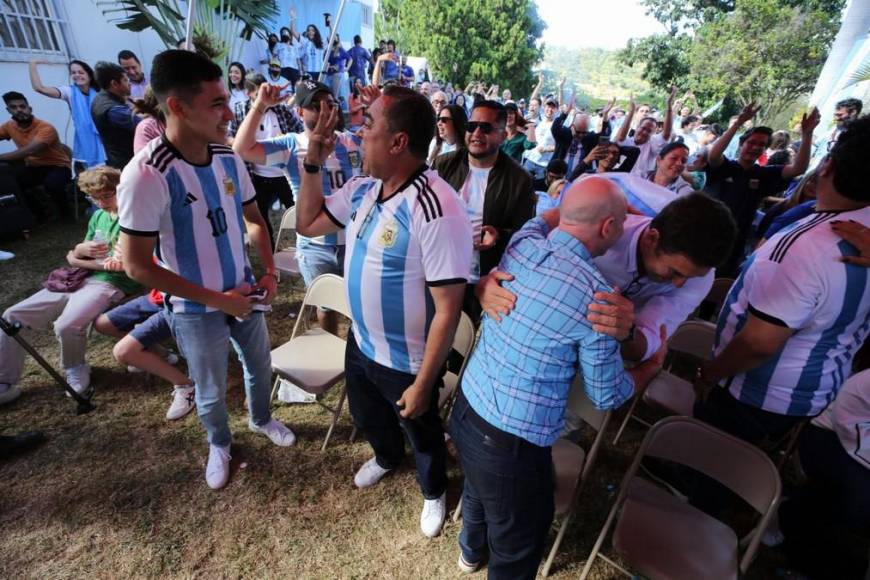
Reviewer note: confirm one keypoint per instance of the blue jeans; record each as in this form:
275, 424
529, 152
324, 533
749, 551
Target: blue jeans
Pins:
372, 392
537, 171
507, 501
317, 259
204, 341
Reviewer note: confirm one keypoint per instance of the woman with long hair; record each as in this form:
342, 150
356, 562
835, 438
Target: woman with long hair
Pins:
450, 134
311, 51
79, 95
517, 140
154, 123
236, 84
339, 60
288, 54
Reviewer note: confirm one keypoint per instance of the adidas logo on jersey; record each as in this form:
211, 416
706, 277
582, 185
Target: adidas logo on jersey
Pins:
189, 199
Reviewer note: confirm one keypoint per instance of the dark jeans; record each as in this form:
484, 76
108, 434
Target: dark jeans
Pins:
372, 392
827, 523
291, 74
269, 189
53, 178
507, 502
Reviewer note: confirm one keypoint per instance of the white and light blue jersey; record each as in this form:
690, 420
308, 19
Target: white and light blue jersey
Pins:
797, 280
195, 212
288, 151
397, 248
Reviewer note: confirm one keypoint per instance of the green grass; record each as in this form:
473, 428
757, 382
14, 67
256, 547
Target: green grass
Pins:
120, 492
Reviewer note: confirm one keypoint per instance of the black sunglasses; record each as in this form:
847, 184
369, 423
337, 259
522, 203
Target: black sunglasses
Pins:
485, 128
445, 119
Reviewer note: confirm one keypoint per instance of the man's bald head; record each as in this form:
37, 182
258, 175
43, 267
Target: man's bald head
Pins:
593, 211
580, 125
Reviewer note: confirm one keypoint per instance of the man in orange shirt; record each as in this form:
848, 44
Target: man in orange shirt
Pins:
40, 157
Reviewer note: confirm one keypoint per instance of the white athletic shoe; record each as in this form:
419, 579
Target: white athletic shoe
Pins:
433, 515
466, 567
276, 431
170, 357
79, 378
217, 471
182, 402
369, 474
8, 393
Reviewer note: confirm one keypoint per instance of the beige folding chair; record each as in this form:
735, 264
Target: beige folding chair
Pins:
573, 464
313, 359
463, 341
285, 258
668, 392
716, 296
660, 534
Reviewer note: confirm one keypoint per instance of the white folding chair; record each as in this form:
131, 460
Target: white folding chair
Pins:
285, 258
660, 535
463, 341
313, 359
573, 464
668, 392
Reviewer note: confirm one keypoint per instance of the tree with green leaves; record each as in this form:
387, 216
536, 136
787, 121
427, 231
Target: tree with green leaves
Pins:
494, 41
765, 51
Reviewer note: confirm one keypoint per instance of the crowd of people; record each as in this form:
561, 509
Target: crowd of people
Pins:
578, 241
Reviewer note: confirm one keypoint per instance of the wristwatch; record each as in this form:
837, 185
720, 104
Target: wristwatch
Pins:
310, 168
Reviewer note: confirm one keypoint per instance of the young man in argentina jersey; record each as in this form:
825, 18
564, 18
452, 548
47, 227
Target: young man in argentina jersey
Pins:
799, 311
408, 258
191, 200
321, 254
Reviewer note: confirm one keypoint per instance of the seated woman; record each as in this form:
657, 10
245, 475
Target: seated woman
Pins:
669, 168
450, 132
72, 311
142, 325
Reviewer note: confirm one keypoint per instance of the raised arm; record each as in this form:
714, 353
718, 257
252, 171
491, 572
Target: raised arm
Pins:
538, 87
245, 140
714, 157
669, 115
626, 123
36, 82
802, 160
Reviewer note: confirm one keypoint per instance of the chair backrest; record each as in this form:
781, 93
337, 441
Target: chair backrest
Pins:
327, 291
288, 223
739, 466
695, 338
580, 404
463, 340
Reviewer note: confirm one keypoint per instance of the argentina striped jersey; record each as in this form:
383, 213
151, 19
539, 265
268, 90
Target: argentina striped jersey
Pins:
797, 280
396, 248
194, 211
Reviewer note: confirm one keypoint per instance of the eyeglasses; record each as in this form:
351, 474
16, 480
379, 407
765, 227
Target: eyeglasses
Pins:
445, 120
439, 102
485, 128
634, 287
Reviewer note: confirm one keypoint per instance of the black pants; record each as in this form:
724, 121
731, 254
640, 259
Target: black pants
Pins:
827, 523
372, 392
268, 190
291, 74
507, 501
53, 178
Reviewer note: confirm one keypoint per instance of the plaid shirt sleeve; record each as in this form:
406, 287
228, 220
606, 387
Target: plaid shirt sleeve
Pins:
607, 384
287, 120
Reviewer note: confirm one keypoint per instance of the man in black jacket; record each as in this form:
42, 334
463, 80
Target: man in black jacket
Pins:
112, 114
497, 191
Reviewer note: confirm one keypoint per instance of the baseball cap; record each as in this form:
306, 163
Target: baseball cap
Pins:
307, 89
275, 63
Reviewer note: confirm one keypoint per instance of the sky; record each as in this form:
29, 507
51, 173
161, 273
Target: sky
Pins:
595, 23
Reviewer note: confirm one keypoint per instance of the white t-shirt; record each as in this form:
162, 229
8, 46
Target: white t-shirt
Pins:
237, 96
397, 248
195, 212
473, 194
288, 54
649, 151
544, 136
268, 129
849, 417
797, 280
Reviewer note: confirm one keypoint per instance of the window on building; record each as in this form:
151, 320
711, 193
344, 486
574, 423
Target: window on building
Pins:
366, 15
30, 28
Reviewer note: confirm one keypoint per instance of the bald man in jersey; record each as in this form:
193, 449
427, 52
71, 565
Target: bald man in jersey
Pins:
511, 407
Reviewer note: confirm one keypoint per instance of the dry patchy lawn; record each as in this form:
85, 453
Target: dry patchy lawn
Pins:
120, 492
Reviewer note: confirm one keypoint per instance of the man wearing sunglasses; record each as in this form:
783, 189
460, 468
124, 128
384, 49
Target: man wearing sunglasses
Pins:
497, 192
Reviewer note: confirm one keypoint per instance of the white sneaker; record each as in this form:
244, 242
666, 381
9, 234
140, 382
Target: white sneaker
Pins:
276, 431
432, 518
170, 357
369, 474
79, 378
182, 402
8, 393
217, 471
467, 567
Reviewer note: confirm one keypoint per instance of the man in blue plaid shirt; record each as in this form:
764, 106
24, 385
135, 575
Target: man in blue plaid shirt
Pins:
512, 403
